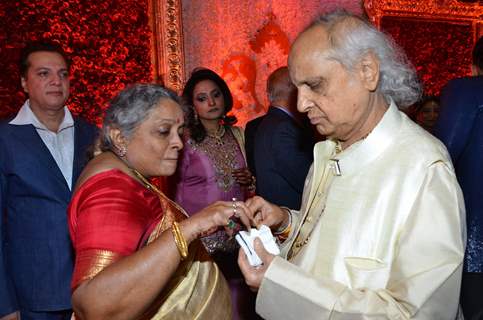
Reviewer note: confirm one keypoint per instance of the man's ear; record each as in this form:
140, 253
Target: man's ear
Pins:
369, 71
117, 138
23, 82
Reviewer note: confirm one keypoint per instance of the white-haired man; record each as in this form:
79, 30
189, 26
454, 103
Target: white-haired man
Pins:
380, 234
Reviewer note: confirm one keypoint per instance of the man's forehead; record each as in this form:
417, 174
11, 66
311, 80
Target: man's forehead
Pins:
311, 43
308, 62
39, 58
315, 38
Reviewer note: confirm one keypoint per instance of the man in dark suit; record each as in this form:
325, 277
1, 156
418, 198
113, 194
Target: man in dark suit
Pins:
250, 131
282, 145
460, 128
42, 152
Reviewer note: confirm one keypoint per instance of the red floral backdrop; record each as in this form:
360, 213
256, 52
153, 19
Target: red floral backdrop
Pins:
108, 42
245, 40
439, 50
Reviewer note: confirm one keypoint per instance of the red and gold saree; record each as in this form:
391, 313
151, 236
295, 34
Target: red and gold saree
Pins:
112, 216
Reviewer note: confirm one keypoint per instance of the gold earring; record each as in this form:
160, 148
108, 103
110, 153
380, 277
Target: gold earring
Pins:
122, 151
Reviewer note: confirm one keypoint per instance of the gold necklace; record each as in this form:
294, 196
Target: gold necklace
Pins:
179, 239
148, 185
218, 135
146, 182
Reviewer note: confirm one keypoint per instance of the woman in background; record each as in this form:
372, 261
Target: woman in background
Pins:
427, 112
212, 168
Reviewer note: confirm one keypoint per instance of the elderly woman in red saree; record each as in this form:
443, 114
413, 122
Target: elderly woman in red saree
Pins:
137, 253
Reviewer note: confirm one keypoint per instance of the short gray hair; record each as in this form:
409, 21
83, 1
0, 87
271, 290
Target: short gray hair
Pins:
279, 85
130, 108
352, 37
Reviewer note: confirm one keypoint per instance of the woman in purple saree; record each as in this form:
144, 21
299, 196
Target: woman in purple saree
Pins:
212, 168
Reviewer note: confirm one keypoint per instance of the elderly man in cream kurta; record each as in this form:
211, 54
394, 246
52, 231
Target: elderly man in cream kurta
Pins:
380, 234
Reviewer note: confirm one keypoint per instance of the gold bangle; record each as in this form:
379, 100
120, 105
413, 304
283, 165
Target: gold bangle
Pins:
283, 234
179, 240
252, 187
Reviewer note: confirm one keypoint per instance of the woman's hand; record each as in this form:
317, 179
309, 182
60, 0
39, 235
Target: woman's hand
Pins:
260, 211
243, 176
219, 214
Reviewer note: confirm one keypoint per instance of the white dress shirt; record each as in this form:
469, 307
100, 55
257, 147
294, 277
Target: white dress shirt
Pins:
60, 143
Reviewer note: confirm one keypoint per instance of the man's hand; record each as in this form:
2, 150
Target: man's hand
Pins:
254, 275
264, 212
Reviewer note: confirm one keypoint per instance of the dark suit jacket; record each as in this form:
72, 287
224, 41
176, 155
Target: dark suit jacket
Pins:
283, 154
36, 255
460, 127
250, 131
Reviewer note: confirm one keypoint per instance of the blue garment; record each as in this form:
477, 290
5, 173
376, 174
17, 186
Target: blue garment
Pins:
283, 154
54, 315
250, 131
460, 128
36, 255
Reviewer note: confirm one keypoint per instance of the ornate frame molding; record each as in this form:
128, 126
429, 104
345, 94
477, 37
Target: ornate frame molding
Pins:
167, 43
443, 10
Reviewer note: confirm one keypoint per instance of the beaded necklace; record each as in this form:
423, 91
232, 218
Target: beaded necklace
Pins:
218, 135
222, 151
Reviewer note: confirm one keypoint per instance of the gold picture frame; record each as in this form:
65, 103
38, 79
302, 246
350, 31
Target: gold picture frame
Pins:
442, 10
167, 43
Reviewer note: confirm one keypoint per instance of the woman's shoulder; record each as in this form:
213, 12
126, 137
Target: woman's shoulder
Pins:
236, 129
112, 175
105, 170
237, 132
239, 135
111, 184
191, 148
188, 140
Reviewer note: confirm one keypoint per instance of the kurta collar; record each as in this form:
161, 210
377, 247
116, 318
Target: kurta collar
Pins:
366, 151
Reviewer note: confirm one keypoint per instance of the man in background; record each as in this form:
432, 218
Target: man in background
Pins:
460, 128
250, 132
282, 144
42, 152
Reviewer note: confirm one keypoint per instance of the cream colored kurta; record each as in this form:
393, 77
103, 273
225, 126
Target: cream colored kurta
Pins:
385, 239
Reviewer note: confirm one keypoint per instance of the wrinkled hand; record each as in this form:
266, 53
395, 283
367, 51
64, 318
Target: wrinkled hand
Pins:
218, 214
254, 275
242, 176
265, 213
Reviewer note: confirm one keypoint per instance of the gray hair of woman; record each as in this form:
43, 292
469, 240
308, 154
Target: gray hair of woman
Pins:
130, 108
352, 37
